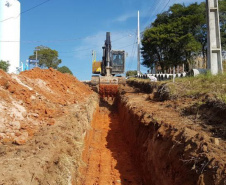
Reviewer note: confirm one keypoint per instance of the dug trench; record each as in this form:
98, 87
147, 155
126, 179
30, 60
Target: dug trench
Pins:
45, 117
137, 140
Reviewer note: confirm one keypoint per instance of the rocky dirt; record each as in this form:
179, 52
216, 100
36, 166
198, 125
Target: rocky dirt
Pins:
145, 137
44, 115
34, 99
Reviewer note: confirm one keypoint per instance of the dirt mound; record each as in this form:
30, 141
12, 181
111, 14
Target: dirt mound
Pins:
56, 86
34, 99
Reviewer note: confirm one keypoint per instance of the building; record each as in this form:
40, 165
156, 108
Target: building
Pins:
10, 33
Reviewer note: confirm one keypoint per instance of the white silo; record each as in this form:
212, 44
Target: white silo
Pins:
10, 33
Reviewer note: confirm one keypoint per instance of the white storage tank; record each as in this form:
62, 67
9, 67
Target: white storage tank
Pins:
10, 33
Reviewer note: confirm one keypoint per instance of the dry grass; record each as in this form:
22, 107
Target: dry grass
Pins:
200, 85
224, 65
139, 80
195, 86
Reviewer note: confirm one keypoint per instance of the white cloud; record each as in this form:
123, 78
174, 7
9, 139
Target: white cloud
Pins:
95, 42
121, 40
125, 17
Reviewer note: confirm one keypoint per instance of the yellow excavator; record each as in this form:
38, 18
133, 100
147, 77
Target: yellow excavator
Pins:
107, 73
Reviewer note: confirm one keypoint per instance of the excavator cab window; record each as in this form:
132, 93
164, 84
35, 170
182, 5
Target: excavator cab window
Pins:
118, 59
117, 62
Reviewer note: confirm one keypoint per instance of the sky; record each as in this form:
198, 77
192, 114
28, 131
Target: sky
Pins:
75, 28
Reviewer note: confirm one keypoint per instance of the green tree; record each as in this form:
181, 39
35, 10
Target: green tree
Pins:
4, 65
170, 40
47, 57
131, 73
64, 69
222, 11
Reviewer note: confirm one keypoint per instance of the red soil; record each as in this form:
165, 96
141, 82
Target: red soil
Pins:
106, 154
33, 99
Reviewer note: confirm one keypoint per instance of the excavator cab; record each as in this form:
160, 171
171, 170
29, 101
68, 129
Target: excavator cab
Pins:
118, 62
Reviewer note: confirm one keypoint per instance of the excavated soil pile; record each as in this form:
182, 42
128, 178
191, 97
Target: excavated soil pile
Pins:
168, 146
33, 99
44, 115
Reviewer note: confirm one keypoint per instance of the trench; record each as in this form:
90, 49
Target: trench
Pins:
137, 142
107, 156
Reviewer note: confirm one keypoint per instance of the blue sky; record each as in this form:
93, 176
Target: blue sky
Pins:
75, 28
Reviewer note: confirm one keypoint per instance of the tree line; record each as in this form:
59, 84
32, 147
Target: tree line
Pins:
179, 34
48, 58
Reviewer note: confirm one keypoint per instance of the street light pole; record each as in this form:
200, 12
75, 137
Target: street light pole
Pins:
138, 45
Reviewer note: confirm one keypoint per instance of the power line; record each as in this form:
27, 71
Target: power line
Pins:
122, 37
160, 11
77, 50
129, 35
148, 10
165, 5
53, 41
62, 40
26, 11
155, 11
132, 53
126, 46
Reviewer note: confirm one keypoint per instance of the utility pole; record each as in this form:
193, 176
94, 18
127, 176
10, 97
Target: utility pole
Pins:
36, 63
36, 58
138, 45
214, 53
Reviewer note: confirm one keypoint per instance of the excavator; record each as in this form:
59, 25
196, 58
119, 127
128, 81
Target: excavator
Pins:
107, 73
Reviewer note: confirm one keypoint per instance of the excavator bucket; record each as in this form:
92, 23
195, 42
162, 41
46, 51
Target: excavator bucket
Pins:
108, 86
108, 90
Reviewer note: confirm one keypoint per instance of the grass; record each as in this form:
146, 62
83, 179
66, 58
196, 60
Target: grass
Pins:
200, 85
196, 86
138, 79
224, 65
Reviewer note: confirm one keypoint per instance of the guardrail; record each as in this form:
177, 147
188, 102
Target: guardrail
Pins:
162, 77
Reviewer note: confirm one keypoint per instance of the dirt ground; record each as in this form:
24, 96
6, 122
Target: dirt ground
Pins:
168, 141
107, 156
44, 116
34, 99
139, 139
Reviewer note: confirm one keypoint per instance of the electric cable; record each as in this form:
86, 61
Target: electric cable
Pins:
61, 40
132, 53
53, 41
159, 5
26, 11
154, 12
148, 10
165, 5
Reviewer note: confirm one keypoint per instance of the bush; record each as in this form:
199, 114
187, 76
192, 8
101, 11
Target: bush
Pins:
65, 69
4, 65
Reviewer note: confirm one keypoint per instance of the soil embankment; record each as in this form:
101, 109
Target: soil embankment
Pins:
167, 146
147, 137
43, 121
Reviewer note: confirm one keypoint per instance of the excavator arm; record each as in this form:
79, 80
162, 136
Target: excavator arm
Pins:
113, 64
